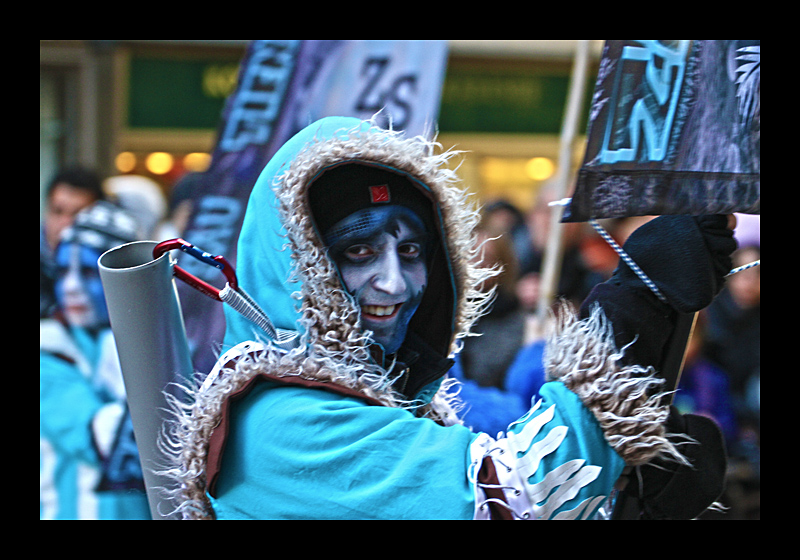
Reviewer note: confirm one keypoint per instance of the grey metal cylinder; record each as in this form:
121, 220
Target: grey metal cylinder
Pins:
147, 322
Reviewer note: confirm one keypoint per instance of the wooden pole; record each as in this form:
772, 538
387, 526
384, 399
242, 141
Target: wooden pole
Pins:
554, 250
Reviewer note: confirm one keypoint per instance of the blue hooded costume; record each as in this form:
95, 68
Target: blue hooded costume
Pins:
335, 429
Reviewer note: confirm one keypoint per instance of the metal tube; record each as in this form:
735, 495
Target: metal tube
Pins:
148, 327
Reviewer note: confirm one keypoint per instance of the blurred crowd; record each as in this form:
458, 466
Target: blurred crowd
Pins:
88, 460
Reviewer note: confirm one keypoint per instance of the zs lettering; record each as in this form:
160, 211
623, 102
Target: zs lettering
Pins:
376, 95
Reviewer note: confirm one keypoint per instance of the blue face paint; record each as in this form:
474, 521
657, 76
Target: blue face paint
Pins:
79, 291
380, 253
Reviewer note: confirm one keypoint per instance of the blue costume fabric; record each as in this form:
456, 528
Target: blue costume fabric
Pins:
492, 409
81, 417
335, 429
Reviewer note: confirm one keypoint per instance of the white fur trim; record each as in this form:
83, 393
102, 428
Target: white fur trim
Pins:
625, 400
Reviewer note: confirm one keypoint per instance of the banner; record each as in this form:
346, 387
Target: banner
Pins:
674, 128
284, 86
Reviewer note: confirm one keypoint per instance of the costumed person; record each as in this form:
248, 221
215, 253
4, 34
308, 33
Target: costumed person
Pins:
88, 460
70, 191
355, 422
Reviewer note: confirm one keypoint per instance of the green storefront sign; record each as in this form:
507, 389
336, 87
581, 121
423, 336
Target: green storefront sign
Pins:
187, 94
505, 101
190, 94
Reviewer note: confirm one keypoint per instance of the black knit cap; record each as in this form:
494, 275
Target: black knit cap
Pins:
349, 187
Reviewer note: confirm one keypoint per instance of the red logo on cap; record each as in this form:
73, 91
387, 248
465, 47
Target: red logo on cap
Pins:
379, 193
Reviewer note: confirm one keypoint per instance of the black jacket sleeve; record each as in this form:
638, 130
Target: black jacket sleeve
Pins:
687, 258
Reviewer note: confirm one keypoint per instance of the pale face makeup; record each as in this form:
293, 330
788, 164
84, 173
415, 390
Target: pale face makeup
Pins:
79, 290
380, 253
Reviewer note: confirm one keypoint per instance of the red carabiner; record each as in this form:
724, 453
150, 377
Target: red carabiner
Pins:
217, 261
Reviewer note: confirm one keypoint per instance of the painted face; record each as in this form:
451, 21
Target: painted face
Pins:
79, 291
380, 253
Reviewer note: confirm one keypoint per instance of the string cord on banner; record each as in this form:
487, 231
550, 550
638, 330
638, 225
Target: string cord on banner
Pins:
630, 262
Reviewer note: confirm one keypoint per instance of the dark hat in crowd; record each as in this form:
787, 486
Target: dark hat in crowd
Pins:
102, 226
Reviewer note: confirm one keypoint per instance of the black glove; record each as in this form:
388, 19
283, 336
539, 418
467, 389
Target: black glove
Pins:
666, 490
687, 258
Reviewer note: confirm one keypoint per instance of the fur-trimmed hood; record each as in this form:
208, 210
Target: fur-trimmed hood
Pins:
283, 263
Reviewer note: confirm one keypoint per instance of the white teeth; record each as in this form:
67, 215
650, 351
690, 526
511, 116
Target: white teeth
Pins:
378, 310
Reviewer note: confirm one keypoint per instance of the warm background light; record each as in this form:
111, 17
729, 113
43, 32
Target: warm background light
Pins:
125, 162
159, 163
197, 161
539, 168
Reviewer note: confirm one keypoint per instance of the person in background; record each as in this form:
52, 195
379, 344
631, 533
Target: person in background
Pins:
69, 191
734, 326
704, 387
575, 278
501, 217
734, 344
88, 461
500, 333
